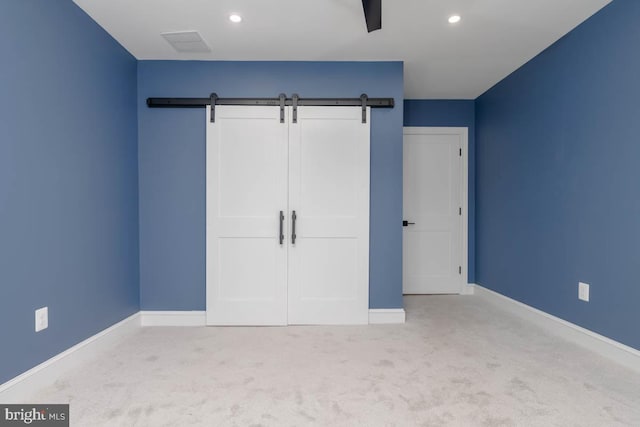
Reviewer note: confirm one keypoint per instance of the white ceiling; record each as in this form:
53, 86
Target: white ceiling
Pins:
442, 61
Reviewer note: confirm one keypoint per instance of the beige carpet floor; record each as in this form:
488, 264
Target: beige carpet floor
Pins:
458, 361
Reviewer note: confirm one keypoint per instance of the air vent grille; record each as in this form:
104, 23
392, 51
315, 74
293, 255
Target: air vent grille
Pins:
186, 41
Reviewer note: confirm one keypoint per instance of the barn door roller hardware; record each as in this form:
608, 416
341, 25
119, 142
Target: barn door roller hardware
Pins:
294, 102
283, 99
364, 101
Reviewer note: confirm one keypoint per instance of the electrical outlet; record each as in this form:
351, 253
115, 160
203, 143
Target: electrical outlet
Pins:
42, 318
583, 291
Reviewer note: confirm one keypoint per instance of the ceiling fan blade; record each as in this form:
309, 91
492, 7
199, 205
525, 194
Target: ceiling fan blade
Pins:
372, 14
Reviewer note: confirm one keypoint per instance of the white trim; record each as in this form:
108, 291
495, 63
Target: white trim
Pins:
172, 318
464, 190
614, 350
465, 208
378, 316
46, 373
469, 289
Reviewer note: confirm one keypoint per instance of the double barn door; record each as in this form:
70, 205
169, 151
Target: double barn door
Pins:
287, 216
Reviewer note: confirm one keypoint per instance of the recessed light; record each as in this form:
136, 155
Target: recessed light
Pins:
454, 19
235, 18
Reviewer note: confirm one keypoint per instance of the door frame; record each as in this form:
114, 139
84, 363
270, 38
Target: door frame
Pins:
463, 132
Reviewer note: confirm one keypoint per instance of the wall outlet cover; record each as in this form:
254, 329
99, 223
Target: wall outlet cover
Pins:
42, 318
583, 291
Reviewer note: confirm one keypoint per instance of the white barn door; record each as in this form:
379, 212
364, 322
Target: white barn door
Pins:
316, 171
329, 154
246, 190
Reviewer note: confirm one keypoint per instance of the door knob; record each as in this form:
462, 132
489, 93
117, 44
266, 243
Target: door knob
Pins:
406, 223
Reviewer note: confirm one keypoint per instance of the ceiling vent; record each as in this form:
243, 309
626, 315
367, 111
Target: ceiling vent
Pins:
186, 41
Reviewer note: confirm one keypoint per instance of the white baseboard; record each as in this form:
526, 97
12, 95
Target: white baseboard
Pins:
614, 350
469, 289
21, 387
173, 318
198, 318
378, 316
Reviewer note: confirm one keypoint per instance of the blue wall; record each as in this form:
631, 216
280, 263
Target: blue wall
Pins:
172, 166
451, 113
68, 189
558, 194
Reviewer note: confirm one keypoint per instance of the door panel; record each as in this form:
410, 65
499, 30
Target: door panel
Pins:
246, 190
432, 247
329, 190
325, 277
428, 253
253, 165
237, 282
327, 183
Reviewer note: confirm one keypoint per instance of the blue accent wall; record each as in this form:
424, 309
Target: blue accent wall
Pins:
172, 166
68, 180
558, 194
451, 113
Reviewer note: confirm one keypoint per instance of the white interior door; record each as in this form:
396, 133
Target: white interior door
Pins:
247, 150
433, 261
329, 192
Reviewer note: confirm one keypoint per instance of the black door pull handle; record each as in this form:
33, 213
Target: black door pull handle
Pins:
293, 227
281, 227
406, 223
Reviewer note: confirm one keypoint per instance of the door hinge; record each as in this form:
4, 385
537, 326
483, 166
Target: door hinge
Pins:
459, 269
